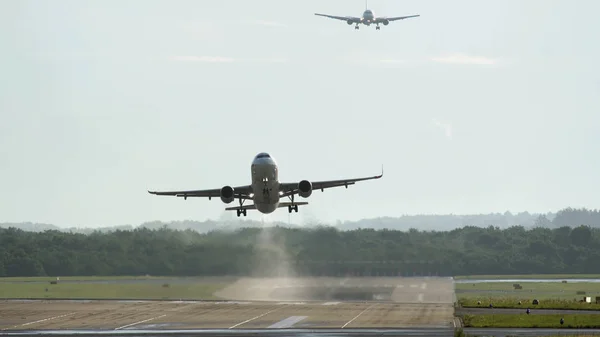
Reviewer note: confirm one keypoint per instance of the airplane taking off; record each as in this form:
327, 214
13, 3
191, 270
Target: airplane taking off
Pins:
368, 18
265, 189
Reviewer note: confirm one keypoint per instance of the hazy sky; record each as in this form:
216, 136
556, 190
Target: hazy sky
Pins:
476, 106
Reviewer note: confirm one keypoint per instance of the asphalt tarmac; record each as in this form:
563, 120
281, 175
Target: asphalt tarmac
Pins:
270, 307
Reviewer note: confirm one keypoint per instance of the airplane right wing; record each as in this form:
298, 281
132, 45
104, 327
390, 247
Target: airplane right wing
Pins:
242, 192
350, 19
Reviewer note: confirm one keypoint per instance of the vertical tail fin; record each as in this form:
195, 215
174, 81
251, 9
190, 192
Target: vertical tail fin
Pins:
366, 4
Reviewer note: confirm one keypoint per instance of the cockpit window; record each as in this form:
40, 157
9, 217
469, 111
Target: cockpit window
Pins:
263, 155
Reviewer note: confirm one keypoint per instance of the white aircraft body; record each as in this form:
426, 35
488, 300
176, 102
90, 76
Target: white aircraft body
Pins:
368, 18
265, 190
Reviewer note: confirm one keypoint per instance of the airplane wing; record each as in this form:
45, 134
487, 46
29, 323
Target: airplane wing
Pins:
238, 192
343, 18
380, 20
289, 189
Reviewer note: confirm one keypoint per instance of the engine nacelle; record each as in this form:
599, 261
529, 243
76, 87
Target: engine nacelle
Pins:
304, 188
227, 194
349, 22
386, 22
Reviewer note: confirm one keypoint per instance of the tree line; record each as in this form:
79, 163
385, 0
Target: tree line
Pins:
315, 251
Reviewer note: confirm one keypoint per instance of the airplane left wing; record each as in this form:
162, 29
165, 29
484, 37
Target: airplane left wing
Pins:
290, 189
381, 20
350, 19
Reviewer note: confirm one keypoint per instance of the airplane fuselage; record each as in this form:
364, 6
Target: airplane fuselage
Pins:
367, 17
265, 184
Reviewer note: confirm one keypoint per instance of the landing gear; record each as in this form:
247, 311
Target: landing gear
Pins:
292, 206
241, 211
377, 28
356, 27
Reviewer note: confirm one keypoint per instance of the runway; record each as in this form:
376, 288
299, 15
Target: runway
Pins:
156, 315
440, 332
256, 303
390, 306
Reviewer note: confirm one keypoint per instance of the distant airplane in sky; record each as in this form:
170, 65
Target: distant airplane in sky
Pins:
266, 190
368, 18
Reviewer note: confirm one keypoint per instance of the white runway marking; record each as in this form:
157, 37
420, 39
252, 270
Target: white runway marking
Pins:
399, 285
331, 303
414, 285
144, 321
420, 298
39, 321
253, 318
424, 285
362, 312
287, 323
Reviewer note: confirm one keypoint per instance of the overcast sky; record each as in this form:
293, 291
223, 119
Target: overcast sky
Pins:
474, 107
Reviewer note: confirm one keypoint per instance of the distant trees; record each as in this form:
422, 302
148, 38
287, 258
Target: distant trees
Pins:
570, 248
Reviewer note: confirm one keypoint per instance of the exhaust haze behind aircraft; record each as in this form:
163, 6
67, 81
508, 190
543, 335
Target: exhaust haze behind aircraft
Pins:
368, 18
266, 190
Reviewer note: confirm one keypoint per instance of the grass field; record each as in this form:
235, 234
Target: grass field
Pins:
528, 277
202, 289
580, 321
554, 295
526, 303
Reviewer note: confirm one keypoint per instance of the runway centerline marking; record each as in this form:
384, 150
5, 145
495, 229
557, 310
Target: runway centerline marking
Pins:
424, 285
144, 321
420, 298
39, 321
259, 316
287, 323
362, 312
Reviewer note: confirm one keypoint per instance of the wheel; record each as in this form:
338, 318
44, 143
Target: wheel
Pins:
245, 212
290, 209
296, 208
238, 212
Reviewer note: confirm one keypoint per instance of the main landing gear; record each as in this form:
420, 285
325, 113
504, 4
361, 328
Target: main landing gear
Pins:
241, 211
292, 206
377, 28
356, 27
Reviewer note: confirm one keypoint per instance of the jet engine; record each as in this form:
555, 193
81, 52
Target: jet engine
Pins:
386, 22
304, 188
227, 194
349, 22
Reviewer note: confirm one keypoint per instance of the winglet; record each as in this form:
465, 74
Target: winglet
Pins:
381, 175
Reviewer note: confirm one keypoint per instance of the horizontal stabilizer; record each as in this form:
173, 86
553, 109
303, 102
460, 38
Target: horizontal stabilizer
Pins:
286, 204
283, 204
